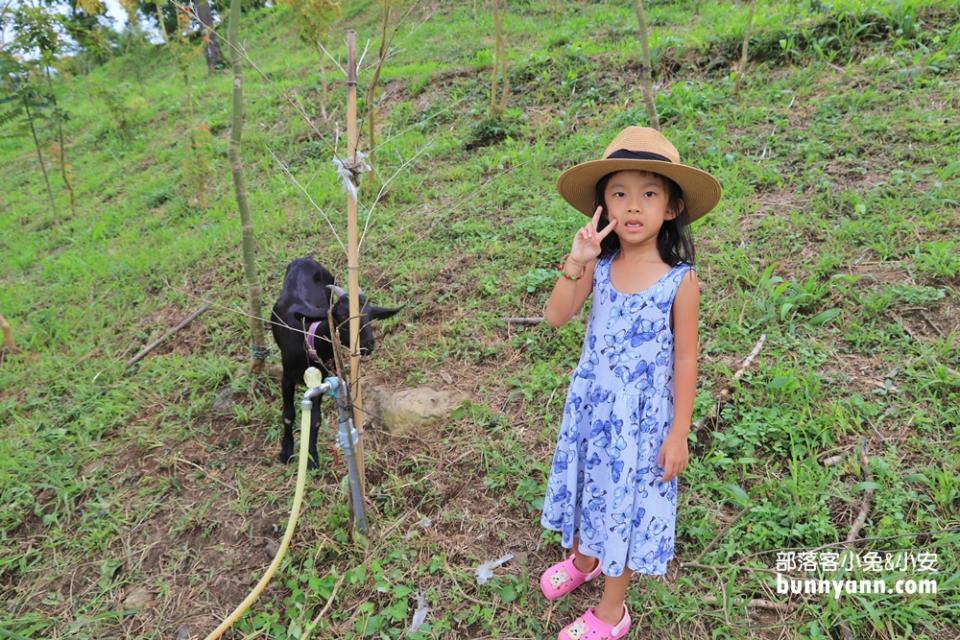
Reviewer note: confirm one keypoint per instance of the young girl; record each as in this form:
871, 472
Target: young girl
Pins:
612, 490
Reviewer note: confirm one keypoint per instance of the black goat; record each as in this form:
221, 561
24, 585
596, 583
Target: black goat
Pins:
304, 300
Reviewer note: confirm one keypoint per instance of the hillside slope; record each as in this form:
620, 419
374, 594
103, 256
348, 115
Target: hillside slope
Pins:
146, 503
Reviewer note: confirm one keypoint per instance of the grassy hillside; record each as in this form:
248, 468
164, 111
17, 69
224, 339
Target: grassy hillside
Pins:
133, 506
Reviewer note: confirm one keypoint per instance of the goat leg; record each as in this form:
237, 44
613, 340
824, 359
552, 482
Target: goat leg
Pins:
289, 386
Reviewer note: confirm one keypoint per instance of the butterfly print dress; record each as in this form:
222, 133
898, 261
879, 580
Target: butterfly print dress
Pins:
604, 484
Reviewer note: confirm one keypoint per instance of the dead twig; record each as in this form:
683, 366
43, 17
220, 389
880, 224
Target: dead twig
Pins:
861, 517
530, 320
326, 607
757, 603
720, 534
867, 495
153, 345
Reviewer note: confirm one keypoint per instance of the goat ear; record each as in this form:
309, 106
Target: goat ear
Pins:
382, 313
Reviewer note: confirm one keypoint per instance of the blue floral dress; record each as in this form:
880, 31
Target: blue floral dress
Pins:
604, 484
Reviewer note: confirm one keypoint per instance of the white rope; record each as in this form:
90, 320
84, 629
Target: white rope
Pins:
349, 172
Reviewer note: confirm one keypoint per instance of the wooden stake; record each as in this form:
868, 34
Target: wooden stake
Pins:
353, 268
9, 345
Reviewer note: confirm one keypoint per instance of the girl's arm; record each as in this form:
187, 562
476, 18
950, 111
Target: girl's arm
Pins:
686, 308
674, 454
568, 295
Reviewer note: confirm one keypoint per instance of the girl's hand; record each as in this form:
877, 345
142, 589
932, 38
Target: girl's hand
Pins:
586, 244
673, 456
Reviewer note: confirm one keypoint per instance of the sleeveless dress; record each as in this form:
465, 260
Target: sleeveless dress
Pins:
604, 484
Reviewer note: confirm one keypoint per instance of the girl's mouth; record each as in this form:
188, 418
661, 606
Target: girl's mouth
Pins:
633, 226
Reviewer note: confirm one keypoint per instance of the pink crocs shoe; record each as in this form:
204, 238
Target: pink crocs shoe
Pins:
564, 577
590, 627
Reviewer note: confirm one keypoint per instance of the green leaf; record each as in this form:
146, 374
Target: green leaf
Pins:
738, 494
824, 316
508, 593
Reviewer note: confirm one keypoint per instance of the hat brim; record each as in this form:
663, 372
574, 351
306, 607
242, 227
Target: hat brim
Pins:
701, 191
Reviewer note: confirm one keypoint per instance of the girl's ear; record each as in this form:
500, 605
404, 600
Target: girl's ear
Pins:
681, 205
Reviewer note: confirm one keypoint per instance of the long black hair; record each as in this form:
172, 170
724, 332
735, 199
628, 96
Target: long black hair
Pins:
674, 242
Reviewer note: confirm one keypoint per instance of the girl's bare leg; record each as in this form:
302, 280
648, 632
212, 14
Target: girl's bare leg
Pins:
582, 562
610, 609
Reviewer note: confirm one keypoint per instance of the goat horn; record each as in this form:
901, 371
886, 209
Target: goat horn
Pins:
340, 292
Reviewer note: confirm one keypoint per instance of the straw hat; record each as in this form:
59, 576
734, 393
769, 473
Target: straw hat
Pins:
640, 148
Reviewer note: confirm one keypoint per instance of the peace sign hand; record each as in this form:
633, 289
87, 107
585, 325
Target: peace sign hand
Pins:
586, 244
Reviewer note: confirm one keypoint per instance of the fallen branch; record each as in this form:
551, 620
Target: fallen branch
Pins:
153, 345
867, 495
727, 391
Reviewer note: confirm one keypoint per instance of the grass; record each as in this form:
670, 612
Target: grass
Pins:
836, 238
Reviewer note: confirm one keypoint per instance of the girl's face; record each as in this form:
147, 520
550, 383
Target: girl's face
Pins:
638, 200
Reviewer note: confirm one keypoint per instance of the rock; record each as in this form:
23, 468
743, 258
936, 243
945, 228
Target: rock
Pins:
185, 633
411, 410
271, 547
223, 401
139, 598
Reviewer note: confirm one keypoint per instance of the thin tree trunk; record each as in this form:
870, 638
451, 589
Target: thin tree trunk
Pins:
36, 144
163, 27
371, 112
743, 50
496, 59
63, 153
323, 87
506, 86
647, 68
212, 50
258, 348
182, 55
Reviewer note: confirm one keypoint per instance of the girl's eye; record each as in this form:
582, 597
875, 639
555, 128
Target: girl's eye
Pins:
650, 193
618, 193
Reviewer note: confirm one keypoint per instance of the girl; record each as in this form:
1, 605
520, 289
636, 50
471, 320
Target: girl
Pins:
612, 490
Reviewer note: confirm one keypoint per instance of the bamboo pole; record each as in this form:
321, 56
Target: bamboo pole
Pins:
647, 68
353, 268
259, 348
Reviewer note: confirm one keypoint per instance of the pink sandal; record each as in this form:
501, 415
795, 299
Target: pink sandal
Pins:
564, 577
590, 627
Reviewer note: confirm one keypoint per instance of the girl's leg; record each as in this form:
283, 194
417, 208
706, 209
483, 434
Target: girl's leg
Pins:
610, 609
582, 562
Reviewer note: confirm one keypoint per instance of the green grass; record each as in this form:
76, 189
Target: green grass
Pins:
835, 238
